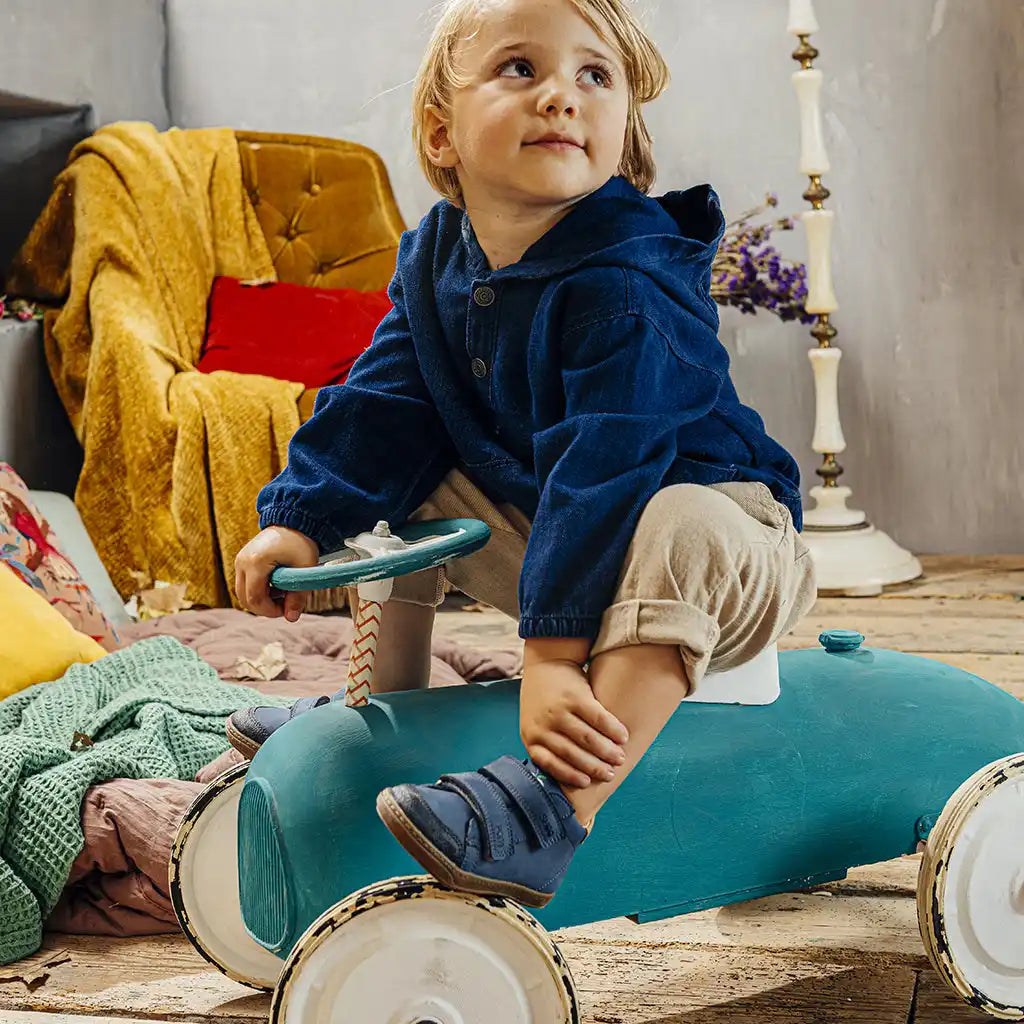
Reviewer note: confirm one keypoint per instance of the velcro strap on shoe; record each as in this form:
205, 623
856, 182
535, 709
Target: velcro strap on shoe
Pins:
304, 704
489, 804
530, 796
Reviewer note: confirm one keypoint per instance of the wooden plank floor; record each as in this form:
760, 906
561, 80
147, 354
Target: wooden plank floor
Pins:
848, 952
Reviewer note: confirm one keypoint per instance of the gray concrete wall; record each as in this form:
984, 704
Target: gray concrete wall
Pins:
925, 127
106, 52
35, 434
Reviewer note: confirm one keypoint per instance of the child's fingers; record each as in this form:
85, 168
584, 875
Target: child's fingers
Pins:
564, 748
561, 771
255, 595
294, 603
595, 714
597, 743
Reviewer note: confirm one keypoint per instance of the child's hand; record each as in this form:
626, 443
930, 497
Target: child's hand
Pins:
566, 732
274, 546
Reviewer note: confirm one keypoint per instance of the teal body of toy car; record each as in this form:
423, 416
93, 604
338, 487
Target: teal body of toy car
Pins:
849, 766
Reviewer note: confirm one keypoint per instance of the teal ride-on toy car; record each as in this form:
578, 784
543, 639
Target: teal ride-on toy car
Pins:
776, 776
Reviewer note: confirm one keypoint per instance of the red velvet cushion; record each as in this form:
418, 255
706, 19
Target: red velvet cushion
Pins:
289, 331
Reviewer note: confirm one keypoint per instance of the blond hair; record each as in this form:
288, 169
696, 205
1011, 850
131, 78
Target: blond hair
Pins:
646, 74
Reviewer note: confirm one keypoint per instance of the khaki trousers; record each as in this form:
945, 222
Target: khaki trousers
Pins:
718, 570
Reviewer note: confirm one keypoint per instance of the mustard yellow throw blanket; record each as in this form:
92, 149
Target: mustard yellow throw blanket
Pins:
139, 224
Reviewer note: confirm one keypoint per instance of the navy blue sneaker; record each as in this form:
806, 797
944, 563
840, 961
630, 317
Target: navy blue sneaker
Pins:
249, 728
505, 829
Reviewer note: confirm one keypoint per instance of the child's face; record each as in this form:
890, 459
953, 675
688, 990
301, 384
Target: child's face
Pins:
536, 67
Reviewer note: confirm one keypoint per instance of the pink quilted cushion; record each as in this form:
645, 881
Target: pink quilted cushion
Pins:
31, 548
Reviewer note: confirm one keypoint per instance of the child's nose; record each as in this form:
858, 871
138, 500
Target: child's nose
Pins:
559, 103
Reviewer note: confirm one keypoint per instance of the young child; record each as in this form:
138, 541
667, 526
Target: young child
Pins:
552, 367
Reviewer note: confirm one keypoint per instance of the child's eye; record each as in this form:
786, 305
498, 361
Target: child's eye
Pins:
601, 73
516, 65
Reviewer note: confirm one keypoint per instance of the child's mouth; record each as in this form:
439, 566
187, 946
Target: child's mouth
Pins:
555, 145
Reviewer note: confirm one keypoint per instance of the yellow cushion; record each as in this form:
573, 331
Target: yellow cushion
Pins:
37, 644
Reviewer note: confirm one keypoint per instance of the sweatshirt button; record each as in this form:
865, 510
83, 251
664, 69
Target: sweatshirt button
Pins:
479, 368
483, 296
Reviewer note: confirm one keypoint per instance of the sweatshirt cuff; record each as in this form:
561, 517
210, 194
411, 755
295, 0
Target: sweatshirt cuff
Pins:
586, 627
295, 519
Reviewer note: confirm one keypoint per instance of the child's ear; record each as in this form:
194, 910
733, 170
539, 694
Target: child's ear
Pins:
439, 147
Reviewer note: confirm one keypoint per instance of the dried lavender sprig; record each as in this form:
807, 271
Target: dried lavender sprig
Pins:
751, 274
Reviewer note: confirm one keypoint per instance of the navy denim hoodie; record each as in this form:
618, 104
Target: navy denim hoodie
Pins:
574, 384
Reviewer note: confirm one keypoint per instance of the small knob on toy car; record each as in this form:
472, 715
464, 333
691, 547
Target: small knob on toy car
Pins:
836, 640
371, 544
375, 542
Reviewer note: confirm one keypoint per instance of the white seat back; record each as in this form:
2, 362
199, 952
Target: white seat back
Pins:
754, 682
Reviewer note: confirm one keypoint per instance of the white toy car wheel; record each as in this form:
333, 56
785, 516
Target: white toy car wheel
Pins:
203, 880
970, 893
410, 951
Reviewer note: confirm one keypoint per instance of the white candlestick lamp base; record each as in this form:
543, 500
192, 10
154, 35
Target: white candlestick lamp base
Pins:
858, 562
851, 556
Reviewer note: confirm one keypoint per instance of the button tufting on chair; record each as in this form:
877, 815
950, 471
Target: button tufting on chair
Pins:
340, 194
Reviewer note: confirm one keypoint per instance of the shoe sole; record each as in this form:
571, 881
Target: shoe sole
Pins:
245, 746
420, 848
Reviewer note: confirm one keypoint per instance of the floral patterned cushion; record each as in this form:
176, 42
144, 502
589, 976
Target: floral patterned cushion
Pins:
30, 547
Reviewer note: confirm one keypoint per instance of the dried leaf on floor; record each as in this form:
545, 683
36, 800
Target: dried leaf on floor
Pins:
268, 664
34, 976
162, 599
81, 741
153, 598
143, 581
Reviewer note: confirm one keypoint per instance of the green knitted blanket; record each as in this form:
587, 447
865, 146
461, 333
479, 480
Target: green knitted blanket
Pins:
152, 710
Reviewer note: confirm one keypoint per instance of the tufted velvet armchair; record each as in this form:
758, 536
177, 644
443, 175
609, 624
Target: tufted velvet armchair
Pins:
172, 463
327, 211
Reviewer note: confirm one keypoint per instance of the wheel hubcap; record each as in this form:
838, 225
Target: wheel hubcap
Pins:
409, 951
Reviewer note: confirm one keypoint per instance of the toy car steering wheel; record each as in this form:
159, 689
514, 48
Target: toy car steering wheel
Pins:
383, 555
